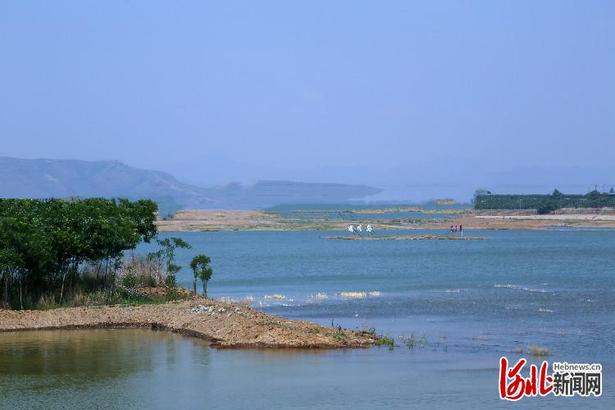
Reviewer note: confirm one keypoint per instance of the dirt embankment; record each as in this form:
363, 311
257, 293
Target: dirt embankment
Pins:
224, 325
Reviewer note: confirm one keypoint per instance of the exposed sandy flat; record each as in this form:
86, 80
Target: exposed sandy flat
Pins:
525, 220
215, 220
562, 217
226, 220
233, 220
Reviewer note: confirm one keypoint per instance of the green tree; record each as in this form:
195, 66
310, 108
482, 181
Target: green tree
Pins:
202, 270
10, 261
168, 246
45, 244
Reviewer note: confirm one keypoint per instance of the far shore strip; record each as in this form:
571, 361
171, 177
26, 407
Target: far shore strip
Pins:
224, 325
256, 220
557, 217
426, 237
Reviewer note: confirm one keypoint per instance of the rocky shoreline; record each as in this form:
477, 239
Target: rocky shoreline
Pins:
223, 325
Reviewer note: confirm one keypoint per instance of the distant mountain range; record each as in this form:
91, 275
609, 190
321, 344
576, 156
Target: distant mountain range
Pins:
50, 178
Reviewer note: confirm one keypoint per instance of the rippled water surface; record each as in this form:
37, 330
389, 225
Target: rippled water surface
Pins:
463, 304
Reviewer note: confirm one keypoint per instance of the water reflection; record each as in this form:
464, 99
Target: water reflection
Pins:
44, 368
146, 369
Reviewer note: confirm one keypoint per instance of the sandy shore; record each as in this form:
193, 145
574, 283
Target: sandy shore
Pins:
224, 325
229, 220
502, 220
221, 220
426, 237
562, 217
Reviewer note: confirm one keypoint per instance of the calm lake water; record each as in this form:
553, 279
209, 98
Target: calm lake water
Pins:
465, 303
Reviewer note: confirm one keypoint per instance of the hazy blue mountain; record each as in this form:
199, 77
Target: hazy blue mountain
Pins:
45, 178
271, 193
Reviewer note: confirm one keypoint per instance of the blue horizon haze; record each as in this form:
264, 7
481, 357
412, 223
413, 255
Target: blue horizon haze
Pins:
422, 99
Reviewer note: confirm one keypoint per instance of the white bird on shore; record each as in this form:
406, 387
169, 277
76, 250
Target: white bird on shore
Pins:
359, 228
368, 229
350, 228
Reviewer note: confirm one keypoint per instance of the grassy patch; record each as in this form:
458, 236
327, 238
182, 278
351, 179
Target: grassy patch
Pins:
381, 340
385, 341
538, 351
340, 336
120, 296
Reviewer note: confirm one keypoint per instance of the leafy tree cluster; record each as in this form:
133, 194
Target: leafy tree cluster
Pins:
45, 243
543, 204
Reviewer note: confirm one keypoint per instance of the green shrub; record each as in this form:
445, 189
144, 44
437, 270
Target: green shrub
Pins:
546, 209
539, 351
129, 280
170, 281
385, 341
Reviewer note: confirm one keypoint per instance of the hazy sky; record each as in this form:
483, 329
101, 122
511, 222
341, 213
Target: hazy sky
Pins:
392, 93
